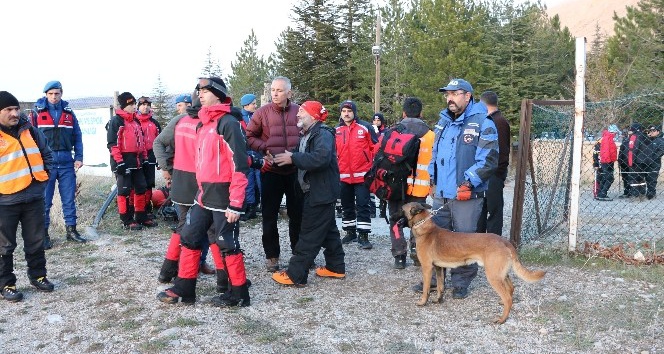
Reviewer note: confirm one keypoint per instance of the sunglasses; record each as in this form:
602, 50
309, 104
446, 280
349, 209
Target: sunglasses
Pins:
207, 83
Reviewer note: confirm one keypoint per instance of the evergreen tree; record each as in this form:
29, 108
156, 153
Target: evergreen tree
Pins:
211, 67
249, 71
636, 51
162, 107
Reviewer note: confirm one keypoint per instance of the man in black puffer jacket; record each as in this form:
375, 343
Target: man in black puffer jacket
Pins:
318, 177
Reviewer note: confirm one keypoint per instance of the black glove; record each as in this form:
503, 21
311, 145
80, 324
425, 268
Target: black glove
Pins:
255, 160
121, 168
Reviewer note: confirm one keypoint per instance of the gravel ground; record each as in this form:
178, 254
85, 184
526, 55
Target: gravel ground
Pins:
104, 301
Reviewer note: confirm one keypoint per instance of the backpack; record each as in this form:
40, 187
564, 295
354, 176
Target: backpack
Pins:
395, 160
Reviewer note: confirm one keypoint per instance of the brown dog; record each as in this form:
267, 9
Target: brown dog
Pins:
443, 248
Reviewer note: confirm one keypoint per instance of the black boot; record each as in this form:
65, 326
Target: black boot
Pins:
238, 296
351, 236
73, 235
169, 270
363, 240
47, 241
222, 281
184, 290
400, 261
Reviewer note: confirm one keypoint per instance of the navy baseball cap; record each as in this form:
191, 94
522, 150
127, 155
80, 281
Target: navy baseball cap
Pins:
183, 98
457, 84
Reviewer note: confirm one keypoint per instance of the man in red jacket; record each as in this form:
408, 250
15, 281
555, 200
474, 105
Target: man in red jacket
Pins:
221, 174
151, 128
605, 155
355, 153
273, 130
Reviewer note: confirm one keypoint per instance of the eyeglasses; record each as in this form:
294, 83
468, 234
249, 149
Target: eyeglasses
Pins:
449, 94
207, 83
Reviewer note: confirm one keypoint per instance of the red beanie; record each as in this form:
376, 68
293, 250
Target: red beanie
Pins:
315, 109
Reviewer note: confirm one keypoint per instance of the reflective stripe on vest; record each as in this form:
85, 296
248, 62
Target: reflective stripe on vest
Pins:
16, 168
418, 185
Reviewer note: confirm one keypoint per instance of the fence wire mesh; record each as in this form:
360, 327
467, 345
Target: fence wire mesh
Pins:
619, 206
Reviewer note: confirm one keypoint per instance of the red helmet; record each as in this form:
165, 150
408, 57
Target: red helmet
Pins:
158, 198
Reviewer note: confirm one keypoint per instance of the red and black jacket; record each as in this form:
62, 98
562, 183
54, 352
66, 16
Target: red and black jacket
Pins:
125, 141
221, 160
151, 128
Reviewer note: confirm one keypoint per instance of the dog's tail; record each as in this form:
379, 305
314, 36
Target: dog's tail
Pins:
524, 273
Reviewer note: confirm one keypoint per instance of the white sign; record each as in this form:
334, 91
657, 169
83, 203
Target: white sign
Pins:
95, 153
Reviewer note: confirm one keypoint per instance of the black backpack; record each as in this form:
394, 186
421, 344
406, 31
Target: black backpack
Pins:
395, 160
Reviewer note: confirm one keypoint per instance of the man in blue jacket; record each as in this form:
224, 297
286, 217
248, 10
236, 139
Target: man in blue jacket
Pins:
464, 157
248, 103
57, 121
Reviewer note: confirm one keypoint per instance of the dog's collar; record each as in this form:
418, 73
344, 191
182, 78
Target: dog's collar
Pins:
421, 222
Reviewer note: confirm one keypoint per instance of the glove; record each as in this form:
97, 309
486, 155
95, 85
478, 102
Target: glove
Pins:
255, 160
464, 191
121, 168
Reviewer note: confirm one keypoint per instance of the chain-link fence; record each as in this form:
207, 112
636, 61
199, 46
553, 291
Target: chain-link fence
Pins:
620, 174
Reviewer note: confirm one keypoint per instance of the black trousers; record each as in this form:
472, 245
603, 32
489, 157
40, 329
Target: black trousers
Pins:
355, 206
135, 180
491, 218
638, 180
274, 186
605, 179
31, 217
319, 229
651, 180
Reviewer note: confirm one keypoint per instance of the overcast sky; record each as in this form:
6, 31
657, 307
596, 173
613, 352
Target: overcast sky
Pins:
97, 47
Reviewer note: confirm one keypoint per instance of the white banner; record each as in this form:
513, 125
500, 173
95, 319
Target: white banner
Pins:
95, 153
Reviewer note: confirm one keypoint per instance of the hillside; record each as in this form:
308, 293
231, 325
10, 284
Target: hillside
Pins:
581, 16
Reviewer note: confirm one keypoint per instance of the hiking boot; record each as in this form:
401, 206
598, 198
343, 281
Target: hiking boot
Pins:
400, 262
351, 236
363, 240
238, 296
42, 284
133, 226
326, 273
169, 270
206, 269
169, 297
149, 223
272, 264
10, 293
73, 235
460, 293
47, 242
624, 196
283, 279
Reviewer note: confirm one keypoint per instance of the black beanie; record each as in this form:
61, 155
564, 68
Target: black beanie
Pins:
7, 100
125, 99
221, 94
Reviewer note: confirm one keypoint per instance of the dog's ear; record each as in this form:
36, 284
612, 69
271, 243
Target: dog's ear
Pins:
416, 209
426, 206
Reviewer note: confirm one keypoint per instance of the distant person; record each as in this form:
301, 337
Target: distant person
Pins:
417, 185
623, 165
379, 127
221, 167
181, 103
57, 121
654, 153
605, 155
491, 219
354, 144
128, 155
248, 104
273, 130
26, 163
151, 128
317, 175
637, 161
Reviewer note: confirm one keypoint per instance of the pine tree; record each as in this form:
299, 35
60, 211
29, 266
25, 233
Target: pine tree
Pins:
249, 71
161, 103
636, 50
211, 67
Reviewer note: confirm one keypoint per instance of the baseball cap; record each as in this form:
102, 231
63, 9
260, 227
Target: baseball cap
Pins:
457, 84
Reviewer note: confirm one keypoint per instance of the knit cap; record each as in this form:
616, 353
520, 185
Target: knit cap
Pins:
315, 109
7, 100
125, 99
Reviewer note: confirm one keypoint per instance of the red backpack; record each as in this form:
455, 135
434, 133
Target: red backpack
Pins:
395, 160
